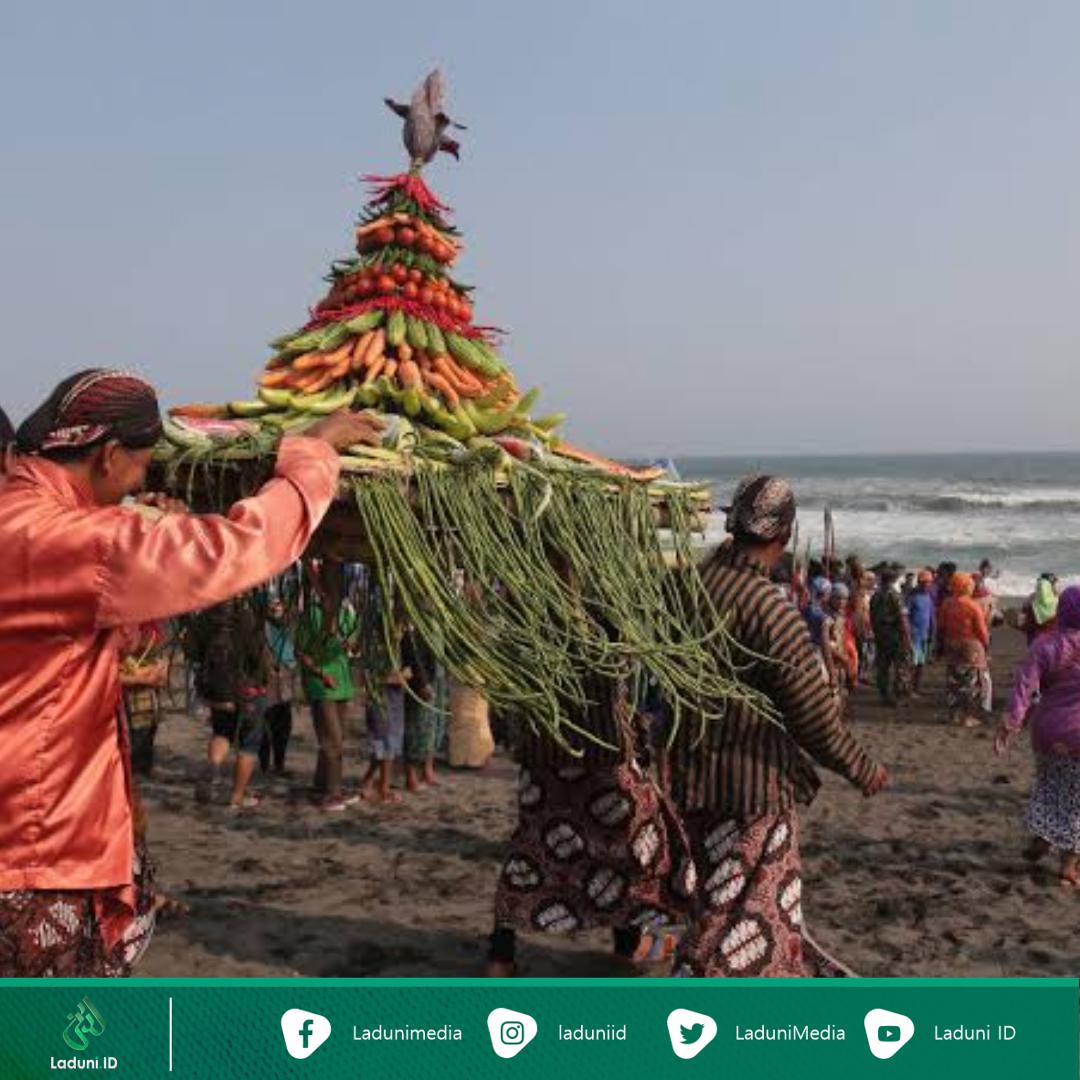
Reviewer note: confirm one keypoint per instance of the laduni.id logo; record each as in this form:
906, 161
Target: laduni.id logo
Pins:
304, 1032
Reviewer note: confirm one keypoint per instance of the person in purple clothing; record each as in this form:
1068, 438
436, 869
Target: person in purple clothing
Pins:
922, 618
1051, 673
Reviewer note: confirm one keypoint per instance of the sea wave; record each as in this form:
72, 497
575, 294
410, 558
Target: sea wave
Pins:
948, 502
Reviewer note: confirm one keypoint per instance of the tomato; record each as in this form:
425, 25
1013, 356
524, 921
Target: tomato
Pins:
386, 283
416, 276
406, 237
399, 273
363, 286
427, 294
438, 301
425, 245
384, 235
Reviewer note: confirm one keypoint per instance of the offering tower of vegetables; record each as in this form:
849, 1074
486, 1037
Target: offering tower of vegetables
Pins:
525, 564
396, 331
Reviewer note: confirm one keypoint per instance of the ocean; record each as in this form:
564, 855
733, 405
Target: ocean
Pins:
1020, 510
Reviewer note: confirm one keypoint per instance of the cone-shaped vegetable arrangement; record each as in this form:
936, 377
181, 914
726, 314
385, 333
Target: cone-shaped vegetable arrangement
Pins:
525, 563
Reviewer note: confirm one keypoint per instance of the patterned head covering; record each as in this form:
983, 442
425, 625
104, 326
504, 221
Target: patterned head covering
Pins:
763, 508
820, 588
90, 408
962, 584
840, 591
7, 432
1068, 610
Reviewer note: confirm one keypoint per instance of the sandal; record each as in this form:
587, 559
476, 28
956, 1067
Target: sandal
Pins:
336, 805
249, 802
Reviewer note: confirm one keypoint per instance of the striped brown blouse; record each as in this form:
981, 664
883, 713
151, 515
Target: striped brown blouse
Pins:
746, 763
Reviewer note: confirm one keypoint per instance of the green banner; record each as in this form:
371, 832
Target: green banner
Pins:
549, 1029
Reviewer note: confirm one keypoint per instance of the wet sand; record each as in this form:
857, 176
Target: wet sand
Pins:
924, 880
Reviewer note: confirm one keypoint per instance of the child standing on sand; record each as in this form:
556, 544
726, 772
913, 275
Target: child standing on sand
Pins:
1052, 673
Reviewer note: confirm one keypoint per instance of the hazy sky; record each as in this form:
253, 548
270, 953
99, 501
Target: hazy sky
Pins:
710, 227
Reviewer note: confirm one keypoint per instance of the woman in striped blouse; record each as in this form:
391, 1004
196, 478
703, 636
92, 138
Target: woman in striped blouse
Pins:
738, 786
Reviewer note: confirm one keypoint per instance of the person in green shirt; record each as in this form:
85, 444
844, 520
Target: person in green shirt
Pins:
326, 670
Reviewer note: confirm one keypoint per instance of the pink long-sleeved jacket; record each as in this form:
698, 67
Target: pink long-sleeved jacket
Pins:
73, 577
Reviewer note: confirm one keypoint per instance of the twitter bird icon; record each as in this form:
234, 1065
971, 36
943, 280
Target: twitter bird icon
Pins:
690, 1032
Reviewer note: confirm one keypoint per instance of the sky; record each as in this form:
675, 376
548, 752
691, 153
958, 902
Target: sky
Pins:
708, 227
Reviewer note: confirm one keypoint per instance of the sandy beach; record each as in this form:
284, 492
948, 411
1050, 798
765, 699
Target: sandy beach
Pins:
925, 880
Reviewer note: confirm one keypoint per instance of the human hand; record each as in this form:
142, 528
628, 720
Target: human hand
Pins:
344, 428
1004, 739
879, 779
160, 501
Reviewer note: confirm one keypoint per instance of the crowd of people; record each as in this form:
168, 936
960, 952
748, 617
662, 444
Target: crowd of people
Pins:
886, 625
682, 839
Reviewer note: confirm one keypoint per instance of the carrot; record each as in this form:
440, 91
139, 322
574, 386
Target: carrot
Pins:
371, 226
356, 359
304, 379
440, 383
276, 378
391, 368
404, 351
464, 385
375, 368
321, 383
310, 361
341, 368
409, 375
201, 411
376, 348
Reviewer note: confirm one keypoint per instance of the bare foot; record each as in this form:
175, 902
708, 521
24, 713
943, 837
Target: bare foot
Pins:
430, 778
412, 782
387, 797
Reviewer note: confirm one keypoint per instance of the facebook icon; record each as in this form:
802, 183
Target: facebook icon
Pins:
304, 1032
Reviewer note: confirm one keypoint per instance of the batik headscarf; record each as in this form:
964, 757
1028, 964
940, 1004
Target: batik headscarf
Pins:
1044, 604
91, 408
1068, 610
763, 508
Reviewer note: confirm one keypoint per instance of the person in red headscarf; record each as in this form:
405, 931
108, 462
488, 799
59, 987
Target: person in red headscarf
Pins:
963, 639
81, 572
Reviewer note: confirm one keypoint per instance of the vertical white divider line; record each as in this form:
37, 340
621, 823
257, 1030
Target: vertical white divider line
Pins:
170, 1034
